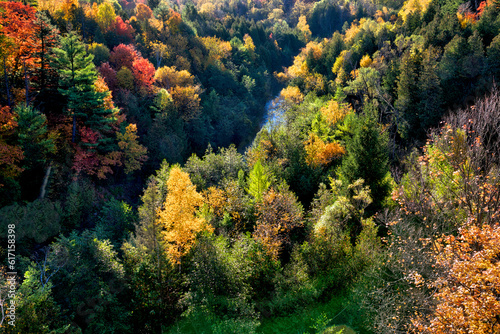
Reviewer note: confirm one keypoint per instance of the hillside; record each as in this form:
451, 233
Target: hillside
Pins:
228, 166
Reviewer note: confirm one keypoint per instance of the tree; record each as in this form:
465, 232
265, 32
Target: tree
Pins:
178, 215
106, 16
90, 283
303, 27
134, 153
45, 77
144, 73
367, 159
467, 297
320, 153
32, 135
10, 154
77, 77
100, 52
278, 215
258, 181
123, 55
147, 264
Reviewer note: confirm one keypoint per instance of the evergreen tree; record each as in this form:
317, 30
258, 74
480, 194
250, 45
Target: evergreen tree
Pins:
77, 77
407, 92
258, 181
367, 159
45, 79
32, 135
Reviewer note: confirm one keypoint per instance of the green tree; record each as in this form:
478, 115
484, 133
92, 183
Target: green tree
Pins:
90, 283
36, 310
367, 159
407, 94
77, 77
258, 181
147, 265
32, 135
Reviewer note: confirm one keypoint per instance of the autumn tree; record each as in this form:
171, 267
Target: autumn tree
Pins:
10, 154
278, 216
105, 16
467, 297
123, 55
20, 44
178, 215
320, 153
134, 153
144, 73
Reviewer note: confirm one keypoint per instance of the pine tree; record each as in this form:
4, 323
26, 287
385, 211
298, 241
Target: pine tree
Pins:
46, 34
77, 77
32, 135
367, 159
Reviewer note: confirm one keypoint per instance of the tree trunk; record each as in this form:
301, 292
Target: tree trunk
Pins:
45, 181
26, 85
6, 82
73, 135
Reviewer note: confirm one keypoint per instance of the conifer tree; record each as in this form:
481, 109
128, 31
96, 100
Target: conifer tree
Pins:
367, 159
77, 77
258, 181
32, 135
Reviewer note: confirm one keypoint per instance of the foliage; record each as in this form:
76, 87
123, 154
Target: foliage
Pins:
279, 216
134, 153
178, 215
258, 181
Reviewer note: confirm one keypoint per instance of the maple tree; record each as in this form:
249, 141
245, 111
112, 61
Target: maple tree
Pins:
467, 297
144, 73
123, 55
143, 12
10, 155
109, 75
178, 215
123, 29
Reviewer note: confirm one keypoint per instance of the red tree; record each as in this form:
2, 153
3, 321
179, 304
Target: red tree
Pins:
123, 55
144, 73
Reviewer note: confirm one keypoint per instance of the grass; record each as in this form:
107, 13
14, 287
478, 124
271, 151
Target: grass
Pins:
314, 318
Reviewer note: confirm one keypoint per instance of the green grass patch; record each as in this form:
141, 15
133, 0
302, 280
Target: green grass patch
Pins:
316, 318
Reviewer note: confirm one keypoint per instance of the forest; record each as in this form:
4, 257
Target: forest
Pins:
234, 166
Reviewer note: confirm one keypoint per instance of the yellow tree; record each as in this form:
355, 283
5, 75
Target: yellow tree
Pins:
134, 153
304, 28
178, 215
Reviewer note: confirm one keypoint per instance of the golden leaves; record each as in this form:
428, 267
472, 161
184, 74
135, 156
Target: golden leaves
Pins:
319, 153
178, 215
